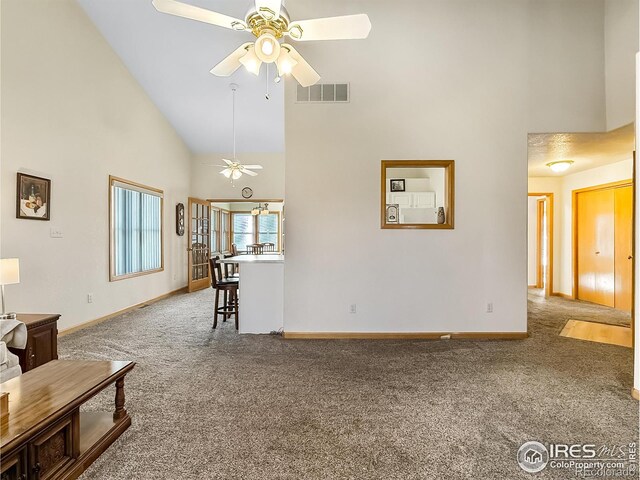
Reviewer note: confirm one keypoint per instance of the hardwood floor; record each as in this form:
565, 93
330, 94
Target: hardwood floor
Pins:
598, 332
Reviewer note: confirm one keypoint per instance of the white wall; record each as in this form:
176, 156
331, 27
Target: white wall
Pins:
621, 45
562, 188
532, 241
206, 181
566, 58
71, 112
471, 104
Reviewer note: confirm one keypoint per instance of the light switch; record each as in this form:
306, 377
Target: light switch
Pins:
55, 233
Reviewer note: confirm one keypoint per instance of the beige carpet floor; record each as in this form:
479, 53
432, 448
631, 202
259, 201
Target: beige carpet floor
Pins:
215, 405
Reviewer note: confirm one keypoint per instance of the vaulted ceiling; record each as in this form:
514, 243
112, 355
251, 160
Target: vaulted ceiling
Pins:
171, 57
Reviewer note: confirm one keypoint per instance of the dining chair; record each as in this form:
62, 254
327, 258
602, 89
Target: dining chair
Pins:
269, 247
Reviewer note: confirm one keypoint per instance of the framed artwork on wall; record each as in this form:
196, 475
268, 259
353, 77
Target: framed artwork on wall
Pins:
393, 211
33, 197
396, 184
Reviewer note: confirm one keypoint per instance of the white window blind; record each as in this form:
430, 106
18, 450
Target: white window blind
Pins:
243, 230
137, 229
268, 228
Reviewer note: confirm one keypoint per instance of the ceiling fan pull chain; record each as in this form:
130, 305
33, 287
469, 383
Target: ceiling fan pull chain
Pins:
267, 83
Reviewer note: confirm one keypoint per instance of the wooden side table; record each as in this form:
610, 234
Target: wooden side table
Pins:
42, 340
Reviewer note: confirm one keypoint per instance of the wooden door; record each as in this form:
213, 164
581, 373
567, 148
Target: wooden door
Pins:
199, 244
623, 199
595, 247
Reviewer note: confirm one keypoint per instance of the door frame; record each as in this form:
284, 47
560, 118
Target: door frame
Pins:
195, 285
574, 234
548, 291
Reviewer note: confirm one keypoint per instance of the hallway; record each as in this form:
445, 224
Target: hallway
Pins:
561, 310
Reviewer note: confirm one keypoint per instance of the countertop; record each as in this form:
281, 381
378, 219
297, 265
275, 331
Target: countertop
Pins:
254, 259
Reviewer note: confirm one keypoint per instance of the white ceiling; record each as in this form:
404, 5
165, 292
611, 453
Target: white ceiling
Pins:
171, 58
587, 150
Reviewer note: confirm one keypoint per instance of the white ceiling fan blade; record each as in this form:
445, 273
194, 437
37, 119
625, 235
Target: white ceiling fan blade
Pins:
249, 172
232, 63
302, 72
192, 12
228, 162
253, 167
269, 9
348, 27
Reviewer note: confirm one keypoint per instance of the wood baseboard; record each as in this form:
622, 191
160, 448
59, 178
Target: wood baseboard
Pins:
635, 393
562, 295
96, 321
405, 336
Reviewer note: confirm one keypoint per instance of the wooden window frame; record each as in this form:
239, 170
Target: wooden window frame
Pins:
112, 276
218, 233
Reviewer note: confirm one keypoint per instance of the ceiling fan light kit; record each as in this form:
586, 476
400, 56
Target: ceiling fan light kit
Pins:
269, 22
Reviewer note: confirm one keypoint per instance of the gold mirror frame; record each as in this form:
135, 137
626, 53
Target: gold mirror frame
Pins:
449, 185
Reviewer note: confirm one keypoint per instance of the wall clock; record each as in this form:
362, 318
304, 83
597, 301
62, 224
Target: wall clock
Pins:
180, 219
247, 192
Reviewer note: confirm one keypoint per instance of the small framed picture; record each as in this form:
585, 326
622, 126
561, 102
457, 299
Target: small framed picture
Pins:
393, 210
33, 197
397, 184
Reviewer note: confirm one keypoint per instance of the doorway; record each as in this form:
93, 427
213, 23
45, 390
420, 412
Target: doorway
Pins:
603, 245
541, 242
199, 214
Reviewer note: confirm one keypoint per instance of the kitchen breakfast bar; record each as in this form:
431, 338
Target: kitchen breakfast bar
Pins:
261, 292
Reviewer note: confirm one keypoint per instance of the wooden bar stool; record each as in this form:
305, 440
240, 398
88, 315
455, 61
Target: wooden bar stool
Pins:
229, 287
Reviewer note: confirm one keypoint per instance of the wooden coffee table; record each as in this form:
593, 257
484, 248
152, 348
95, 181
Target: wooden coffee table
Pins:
45, 435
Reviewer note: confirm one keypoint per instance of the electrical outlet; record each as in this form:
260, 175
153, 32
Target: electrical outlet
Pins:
352, 308
89, 297
55, 233
490, 307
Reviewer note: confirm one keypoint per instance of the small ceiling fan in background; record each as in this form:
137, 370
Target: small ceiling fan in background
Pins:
233, 169
269, 22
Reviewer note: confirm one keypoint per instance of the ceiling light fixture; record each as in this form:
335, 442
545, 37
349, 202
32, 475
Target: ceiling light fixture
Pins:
560, 166
267, 47
233, 168
251, 61
260, 210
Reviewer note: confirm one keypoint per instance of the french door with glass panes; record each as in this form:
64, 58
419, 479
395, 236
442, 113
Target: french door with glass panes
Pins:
199, 244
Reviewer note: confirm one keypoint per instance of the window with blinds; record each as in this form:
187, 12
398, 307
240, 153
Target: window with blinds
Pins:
225, 246
215, 230
250, 229
136, 229
268, 228
243, 230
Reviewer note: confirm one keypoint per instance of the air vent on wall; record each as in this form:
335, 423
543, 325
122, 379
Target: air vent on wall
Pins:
323, 93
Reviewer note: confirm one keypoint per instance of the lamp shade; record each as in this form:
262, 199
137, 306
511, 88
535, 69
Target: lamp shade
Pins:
9, 271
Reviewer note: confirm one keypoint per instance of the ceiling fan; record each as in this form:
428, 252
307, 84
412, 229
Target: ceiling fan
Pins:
233, 169
269, 22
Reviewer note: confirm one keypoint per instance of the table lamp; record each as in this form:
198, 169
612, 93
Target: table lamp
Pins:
9, 275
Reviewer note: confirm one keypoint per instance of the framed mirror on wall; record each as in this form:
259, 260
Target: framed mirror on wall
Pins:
417, 194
